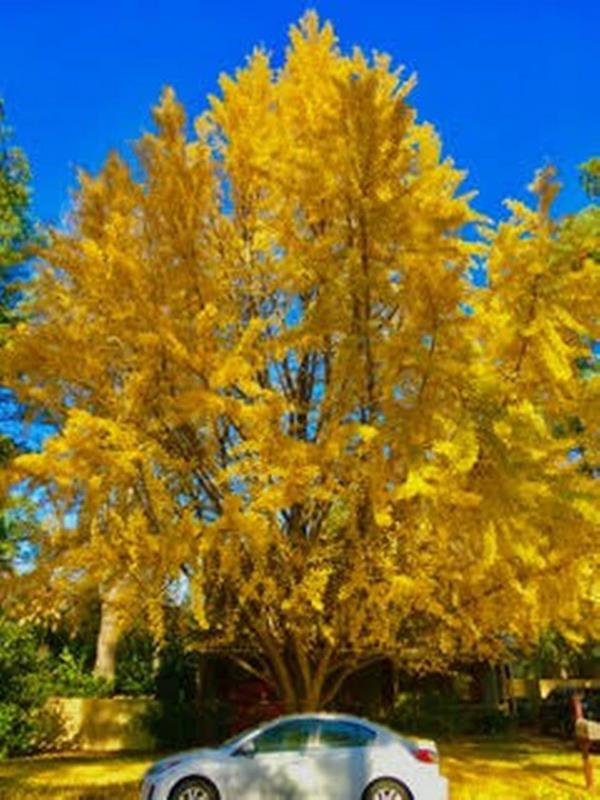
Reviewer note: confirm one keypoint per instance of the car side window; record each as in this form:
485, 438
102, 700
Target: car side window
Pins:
337, 733
285, 737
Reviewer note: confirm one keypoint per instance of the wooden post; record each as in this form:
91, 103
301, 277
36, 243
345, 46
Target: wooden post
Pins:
588, 770
585, 732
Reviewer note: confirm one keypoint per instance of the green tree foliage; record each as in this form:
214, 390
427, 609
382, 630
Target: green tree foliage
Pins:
17, 234
578, 245
590, 178
15, 222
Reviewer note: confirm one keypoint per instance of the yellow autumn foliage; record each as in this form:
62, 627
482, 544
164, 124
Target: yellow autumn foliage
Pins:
274, 387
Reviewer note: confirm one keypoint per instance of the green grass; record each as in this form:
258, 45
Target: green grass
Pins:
535, 769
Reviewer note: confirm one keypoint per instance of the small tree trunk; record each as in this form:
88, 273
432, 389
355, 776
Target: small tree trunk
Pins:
312, 701
301, 704
108, 636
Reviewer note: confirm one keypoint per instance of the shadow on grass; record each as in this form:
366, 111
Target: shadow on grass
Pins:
101, 776
108, 792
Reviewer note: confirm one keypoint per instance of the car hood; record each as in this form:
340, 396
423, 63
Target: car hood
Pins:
185, 756
200, 752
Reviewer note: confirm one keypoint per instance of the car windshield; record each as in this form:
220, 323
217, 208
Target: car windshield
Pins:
237, 738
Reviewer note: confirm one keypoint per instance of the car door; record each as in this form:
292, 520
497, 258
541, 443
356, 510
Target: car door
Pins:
341, 759
274, 764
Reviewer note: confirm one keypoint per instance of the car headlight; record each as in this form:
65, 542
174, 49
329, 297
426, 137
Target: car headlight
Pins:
163, 766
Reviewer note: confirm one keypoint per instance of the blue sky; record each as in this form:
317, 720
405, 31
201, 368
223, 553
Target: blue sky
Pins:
509, 85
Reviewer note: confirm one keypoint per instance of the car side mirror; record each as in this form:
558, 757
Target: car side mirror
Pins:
248, 749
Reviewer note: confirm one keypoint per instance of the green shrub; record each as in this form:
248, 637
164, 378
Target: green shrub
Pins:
25, 684
438, 714
175, 721
71, 678
135, 665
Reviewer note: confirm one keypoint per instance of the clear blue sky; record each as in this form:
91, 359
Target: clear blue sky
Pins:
509, 85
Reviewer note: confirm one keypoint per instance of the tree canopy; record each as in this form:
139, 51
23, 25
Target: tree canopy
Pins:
278, 393
16, 232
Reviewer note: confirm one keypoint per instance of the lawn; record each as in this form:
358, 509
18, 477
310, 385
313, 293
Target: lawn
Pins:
534, 769
537, 769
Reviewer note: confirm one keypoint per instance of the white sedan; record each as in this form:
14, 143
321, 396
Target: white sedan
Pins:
304, 757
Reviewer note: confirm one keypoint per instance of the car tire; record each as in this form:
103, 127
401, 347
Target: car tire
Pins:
386, 789
193, 789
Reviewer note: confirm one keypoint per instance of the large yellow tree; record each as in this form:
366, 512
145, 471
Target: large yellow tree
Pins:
277, 391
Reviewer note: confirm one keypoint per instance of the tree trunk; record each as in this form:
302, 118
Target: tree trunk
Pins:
299, 702
304, 678
309, 684
108, 635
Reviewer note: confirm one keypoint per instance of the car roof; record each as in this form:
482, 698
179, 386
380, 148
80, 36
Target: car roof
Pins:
381, 730
384, 734
328, 715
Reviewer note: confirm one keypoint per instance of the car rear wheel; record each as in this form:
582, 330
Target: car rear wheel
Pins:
193, 789
387, 789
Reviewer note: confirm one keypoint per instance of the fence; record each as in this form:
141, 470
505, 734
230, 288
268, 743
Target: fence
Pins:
89, 723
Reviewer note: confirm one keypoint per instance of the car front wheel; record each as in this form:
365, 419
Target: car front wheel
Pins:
387, 789
193, 789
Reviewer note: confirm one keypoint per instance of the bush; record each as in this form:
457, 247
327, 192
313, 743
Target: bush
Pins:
71, 678
175, 722
527, 712
439, 714
135, 665
25, 684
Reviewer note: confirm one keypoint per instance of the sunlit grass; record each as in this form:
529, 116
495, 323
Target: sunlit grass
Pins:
536, 769
539, 769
